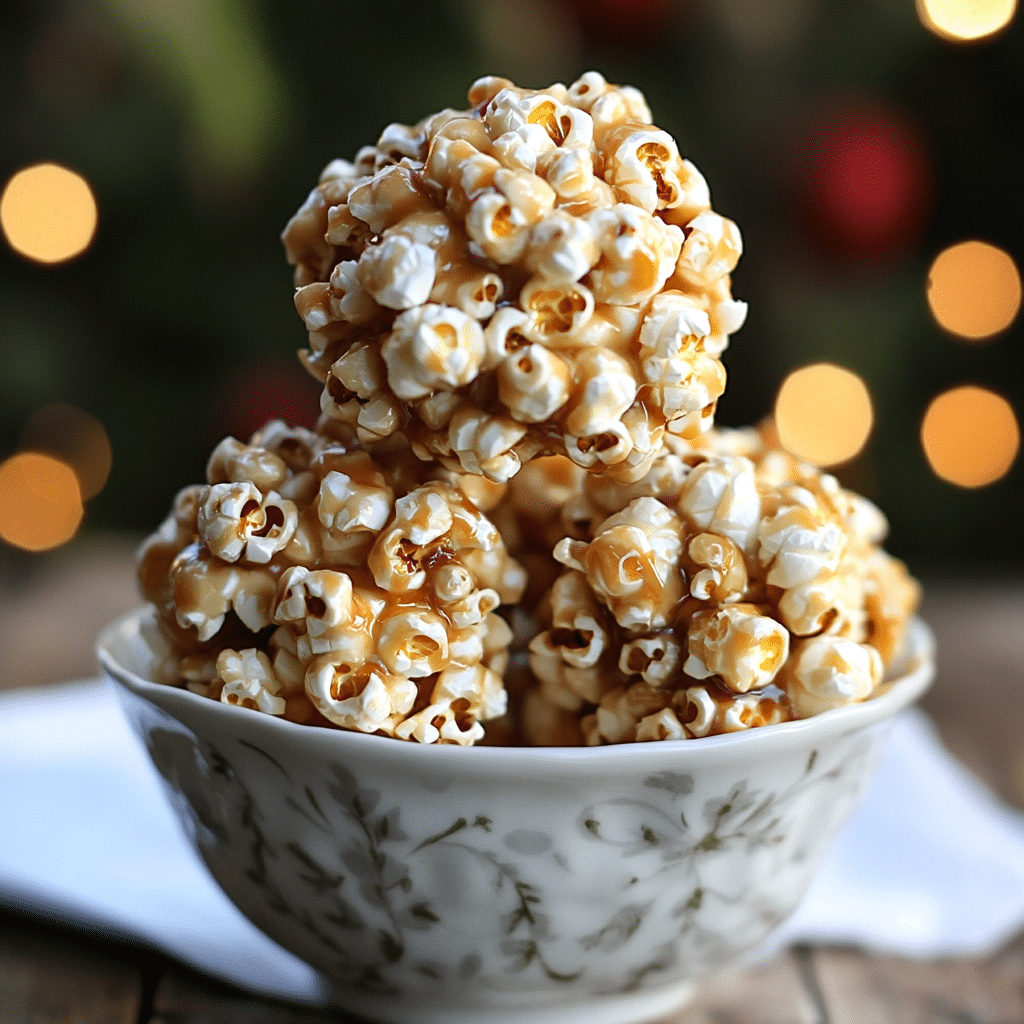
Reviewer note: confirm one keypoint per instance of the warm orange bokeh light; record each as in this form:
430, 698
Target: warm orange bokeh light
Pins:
48, 213
970, 436
74, 437
974, 290
40, 504
823, 414
963, 20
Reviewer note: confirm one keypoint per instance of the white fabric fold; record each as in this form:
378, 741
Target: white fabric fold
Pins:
87, 838
932, 864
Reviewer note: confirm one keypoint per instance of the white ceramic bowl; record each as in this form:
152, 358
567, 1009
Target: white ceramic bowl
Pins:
496, 885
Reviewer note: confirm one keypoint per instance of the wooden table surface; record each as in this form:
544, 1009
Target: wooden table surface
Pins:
51, 975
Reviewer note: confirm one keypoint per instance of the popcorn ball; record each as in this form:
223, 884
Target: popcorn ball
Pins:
539, 274
305, 581
731, 587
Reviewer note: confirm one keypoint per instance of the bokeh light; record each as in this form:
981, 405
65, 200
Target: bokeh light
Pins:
619, 23
823, 414
74, 437
40, 503
970, 436
48, 213
974, 290
265, 389
964, 20
866, 178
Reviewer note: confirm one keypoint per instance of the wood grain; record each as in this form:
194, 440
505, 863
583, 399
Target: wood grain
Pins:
864, 989
52, 978
979, 689
184, 997
774, 992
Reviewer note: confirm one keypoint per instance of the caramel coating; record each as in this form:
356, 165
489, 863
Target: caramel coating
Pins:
539, 274
358, 601
730, 587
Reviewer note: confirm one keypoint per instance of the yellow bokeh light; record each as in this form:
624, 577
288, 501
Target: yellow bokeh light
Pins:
823, 414
40, 503
48, 213
970, 436
74, 437
974, 290
964, 20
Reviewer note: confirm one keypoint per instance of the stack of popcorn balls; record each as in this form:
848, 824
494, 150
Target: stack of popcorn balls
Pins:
517, 313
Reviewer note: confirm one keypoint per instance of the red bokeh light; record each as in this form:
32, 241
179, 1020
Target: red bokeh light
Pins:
620, 23
866, 180
265, 390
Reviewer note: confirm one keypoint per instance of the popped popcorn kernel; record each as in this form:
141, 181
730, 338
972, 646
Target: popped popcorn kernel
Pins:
835, 605
720, 496
319, 599
249, 681
459, 696
638, 254
712, 249
829, 672
605, 389
362, 697
484, 444
632, 563
656, 659
204, 589
719, 572
393, 193
305, 245
662, 725
571, 658
562, 247
641, 163
236, 521
398, 272
799, 544
711, 711
738, 644
234, 462
430, 348
413, 643
533, 383
620, 712
892, 596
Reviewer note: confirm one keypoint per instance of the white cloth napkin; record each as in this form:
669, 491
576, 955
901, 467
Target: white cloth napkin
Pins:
931, 865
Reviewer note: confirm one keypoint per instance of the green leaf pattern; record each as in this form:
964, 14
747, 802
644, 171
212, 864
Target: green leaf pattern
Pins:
357, 887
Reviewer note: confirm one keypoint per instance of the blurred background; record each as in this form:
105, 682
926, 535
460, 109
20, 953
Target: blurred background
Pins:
152, 151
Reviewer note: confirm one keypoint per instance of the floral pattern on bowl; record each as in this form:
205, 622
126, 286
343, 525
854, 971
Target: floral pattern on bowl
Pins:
492, 884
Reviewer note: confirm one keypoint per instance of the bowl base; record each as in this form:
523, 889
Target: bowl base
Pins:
634, 1008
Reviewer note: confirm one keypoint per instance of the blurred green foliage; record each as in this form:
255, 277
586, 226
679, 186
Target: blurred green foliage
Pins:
202, 124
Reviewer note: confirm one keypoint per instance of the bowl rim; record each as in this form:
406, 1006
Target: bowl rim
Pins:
915, 668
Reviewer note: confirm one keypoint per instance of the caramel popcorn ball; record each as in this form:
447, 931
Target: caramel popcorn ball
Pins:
539, 274
729, 588
353, 601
